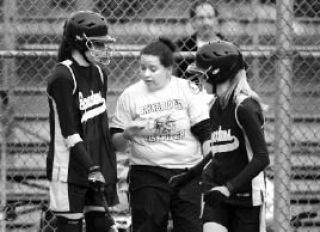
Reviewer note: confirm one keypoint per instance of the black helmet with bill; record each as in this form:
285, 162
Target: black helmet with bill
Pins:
87, 30
217, 62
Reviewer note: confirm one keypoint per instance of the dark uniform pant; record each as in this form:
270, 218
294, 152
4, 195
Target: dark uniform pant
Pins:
153, 202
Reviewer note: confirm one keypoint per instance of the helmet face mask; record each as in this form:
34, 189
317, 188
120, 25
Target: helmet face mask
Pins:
100, 48
197, 81
198, 76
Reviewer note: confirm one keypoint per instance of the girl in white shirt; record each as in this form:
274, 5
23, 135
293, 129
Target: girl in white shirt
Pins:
165, 121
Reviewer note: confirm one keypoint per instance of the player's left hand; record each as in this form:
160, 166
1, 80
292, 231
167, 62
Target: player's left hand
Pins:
216, 194
96, 178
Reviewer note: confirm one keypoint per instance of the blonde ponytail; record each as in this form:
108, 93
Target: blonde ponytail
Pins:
240, 86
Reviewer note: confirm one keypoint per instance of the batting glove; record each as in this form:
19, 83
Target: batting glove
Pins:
96, 179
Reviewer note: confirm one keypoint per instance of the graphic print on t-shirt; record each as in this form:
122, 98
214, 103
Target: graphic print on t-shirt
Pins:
163, 118
165, 129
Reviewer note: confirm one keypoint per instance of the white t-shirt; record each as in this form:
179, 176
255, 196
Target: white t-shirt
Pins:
169, 113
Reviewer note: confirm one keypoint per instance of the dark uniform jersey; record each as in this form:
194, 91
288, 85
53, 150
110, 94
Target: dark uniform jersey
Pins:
79, 130
238, 136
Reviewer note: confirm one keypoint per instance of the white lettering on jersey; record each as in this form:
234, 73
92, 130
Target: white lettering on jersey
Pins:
223, 141
92, 100
88, 105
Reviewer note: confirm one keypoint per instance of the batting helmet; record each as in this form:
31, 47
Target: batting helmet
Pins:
218, 61
86, 30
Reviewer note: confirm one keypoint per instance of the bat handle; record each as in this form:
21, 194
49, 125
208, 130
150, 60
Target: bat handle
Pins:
109, 219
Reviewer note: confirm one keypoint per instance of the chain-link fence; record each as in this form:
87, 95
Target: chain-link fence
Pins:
280, 42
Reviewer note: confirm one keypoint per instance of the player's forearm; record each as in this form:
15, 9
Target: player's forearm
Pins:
75, 143
256, 166
82, 155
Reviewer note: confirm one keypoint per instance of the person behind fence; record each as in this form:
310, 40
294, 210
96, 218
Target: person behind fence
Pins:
233, 179
162, 118
81, 162
203, 17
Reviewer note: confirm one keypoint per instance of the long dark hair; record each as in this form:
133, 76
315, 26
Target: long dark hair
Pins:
65, 48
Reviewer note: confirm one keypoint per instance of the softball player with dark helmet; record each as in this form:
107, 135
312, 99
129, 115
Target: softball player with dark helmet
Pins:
233, 179
81, 162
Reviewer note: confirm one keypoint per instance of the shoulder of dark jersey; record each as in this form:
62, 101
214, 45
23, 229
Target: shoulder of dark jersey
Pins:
60, 73
248, 109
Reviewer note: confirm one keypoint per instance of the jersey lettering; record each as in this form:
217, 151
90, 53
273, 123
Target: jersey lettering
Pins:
223, 141
93, 105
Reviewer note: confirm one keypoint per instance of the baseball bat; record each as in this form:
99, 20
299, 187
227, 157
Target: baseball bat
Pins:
109, 219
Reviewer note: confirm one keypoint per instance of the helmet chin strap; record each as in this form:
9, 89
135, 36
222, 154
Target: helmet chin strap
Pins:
83, 53
80, 45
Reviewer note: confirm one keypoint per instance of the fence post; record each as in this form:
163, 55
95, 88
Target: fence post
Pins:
255, 40
283, 116
9, 80
3, 169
